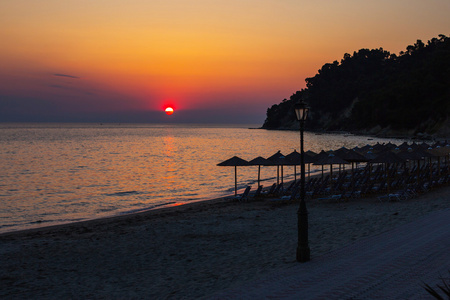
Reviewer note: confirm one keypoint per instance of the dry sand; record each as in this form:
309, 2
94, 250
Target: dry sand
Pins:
189, 251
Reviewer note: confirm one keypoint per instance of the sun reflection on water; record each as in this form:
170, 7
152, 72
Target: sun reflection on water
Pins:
66, 172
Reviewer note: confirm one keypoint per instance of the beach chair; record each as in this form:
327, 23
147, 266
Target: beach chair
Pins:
383, 198
318, 190
272, 189
309, 185
269, 191
337, 197
244, 196
258, 192
379, 188
290, 197
278, 189
400, 195
290, 187
349, 194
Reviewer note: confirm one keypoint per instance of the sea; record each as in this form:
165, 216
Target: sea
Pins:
56, 173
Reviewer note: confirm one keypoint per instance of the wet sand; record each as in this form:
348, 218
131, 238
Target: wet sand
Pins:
189, 251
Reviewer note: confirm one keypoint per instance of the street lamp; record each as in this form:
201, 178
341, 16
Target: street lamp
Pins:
303, 252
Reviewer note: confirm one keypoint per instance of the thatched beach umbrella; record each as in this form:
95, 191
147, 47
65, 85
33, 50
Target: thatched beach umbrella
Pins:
310, 153
404, 146
407, 155
364, 149
259, 161
438, 152
369, 155
312, 156
441, 151
424, 146
274, 161
353, 157
331, 160
234, 162
390, 146
275, 156
319, 157
295, 160
386, 158
279, 161
341, 152
378, 147
416, 154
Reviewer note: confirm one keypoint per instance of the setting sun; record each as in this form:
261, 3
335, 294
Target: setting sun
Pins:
169, 110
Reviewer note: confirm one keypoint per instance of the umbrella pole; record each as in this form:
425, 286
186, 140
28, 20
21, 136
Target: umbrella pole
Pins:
278, 175
439, 165
295, 173
259, 175
418, 171
235, 180
309, 170
431, 169
387, 178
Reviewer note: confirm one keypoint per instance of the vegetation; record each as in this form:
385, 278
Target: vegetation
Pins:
375, 91
443, 289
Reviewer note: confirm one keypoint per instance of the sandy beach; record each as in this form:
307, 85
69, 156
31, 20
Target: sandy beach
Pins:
190, 251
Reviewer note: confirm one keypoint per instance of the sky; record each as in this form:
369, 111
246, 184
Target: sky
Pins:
220, 61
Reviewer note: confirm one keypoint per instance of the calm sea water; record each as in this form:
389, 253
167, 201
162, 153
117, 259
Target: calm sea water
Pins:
58, 173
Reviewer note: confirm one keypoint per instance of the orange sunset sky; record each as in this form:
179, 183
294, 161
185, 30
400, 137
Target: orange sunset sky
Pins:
214, 61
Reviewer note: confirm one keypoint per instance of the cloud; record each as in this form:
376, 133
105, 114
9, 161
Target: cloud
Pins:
57, 86
66, 75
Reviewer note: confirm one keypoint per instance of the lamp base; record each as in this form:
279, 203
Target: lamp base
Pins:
303, 254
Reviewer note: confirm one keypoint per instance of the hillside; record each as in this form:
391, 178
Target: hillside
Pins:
376, 92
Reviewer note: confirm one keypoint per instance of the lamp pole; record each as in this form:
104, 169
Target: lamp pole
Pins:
303, 251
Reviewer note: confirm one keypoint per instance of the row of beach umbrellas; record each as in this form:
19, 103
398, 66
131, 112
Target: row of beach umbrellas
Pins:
375, 154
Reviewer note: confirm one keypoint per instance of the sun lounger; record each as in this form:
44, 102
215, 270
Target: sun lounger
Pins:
290, 197
271, 190
258, 192
399, 196
244, 196
338, 198
278, 189
290, 187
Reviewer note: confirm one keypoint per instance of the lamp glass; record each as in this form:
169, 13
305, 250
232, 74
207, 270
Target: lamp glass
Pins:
301, 110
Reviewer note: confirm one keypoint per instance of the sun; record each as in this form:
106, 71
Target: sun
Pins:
169, 110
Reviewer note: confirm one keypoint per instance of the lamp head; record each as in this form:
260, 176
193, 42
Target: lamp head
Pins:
301, 110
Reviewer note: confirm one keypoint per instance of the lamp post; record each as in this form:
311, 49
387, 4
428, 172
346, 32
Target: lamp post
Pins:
303, 251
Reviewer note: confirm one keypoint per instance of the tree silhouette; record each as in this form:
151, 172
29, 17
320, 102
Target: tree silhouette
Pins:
373, 88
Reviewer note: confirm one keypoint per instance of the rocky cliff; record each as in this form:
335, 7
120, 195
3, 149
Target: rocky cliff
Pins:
376, 92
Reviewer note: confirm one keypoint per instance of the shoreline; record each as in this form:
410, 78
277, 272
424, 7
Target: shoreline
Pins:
420, 137
153, 210
167, 206
137, 216
188, 251
83, 216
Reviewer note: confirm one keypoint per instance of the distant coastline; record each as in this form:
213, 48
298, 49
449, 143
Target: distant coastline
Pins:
378, 93
386, 134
